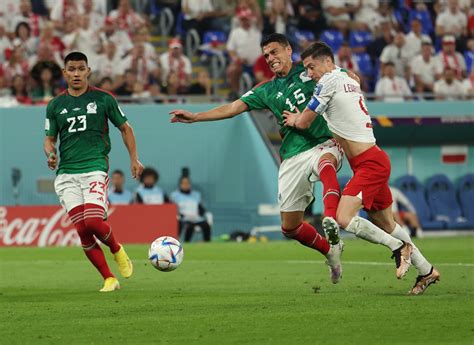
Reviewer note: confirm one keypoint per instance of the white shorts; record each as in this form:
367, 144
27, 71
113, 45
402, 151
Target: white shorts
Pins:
298, 173
79, 189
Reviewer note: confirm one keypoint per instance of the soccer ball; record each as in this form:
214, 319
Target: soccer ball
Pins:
166, 253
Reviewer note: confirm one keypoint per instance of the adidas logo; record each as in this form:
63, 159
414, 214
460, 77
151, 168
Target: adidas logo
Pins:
64, 111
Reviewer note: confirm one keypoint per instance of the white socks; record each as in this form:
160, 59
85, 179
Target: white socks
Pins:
418, 260
366, 230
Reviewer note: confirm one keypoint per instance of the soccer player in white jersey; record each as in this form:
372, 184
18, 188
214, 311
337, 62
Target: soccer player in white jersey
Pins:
339, 99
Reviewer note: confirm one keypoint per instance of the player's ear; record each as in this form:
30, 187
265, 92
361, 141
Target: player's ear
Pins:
88, 71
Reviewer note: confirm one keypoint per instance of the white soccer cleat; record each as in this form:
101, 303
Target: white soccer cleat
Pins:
334, 261
331, 230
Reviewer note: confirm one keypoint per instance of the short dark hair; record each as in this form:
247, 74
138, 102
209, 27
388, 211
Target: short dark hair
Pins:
19, 25
275, 37
119, 172
75, 56
318, 49
148, 171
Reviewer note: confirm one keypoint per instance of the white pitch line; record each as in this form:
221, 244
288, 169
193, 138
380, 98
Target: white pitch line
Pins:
377, 263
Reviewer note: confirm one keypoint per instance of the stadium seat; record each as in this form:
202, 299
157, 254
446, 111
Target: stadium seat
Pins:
303, 35
424, 18
358, 39
441, 197
415, 192
465, 188
213, 42
332, 38
365, 64
469, 58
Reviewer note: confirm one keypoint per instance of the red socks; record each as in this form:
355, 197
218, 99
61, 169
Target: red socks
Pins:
308, 236
94, 219
92, 250
331, 189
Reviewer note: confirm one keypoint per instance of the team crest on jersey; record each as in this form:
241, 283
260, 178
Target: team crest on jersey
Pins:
318, 89
92, 108
304, 78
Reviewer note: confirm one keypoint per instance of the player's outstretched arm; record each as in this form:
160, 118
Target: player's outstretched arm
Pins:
50, 151
223, 112
128, 137
299, 120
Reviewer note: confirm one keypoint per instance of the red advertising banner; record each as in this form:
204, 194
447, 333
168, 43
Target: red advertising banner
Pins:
43, 226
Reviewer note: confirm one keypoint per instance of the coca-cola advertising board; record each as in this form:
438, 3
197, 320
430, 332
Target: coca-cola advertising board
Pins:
43, 226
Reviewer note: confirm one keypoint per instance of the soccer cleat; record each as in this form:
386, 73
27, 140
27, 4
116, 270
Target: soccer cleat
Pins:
334, 261
124, 263
402, 258
110, 284
422, 282
331, 230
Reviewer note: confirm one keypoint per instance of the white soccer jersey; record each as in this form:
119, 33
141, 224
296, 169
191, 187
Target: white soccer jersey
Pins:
340, 100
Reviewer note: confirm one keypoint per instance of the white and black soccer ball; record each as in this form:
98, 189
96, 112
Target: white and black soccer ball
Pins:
166, 253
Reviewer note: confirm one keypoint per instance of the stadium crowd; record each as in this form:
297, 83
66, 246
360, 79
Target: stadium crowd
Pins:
401, 49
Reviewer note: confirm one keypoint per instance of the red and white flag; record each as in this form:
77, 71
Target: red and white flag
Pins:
455, 154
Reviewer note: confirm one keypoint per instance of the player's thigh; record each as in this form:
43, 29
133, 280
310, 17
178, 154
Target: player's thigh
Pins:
295, 190
94, 187
69, 191
330, 150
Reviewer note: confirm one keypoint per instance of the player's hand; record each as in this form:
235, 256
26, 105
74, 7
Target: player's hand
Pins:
183, 116
136, 167
52, 161
289, 118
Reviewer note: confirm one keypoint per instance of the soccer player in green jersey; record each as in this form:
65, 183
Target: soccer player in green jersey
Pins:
79, 118
307, 155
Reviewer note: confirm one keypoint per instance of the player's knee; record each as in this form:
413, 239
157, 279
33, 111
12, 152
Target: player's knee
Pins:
343, 219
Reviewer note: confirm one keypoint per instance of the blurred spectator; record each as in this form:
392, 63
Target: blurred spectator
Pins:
277, 14
423, 67
197, 14
121, 38
49, 39
223, 10
366, 16
344, 58
172, 85
127, 87
126, 18
106, 84
61, 11
80, 37
243, 47
148, 192
6, 97
118, 194
16, 65
261, 71
46, 86
174, 61
386, 14
9, 7
406, 217
139, 93
413, 39
398, 54
452, 21
338, 13
310, 16
254, 7
45, 54
109, 64
26, 15
23, 37
384, 37
448, 87
391, 88
203, 84
19, 90
5, 44
191, 210
142, 36
449, 57
140, 64
93, 12
468, 85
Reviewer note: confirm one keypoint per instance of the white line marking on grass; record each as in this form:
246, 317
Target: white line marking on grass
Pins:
377, 263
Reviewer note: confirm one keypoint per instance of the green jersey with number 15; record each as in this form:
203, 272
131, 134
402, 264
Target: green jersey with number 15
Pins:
82, 125
286, 93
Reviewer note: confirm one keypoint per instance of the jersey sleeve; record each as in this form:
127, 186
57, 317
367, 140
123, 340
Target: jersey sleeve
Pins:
50, 124
114, 113
323, 92
255, 98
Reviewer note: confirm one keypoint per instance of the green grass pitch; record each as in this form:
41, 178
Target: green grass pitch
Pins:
238, 293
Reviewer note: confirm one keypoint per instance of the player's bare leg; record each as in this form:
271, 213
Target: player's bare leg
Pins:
347, 218
427, 274
294, 227
326, 170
